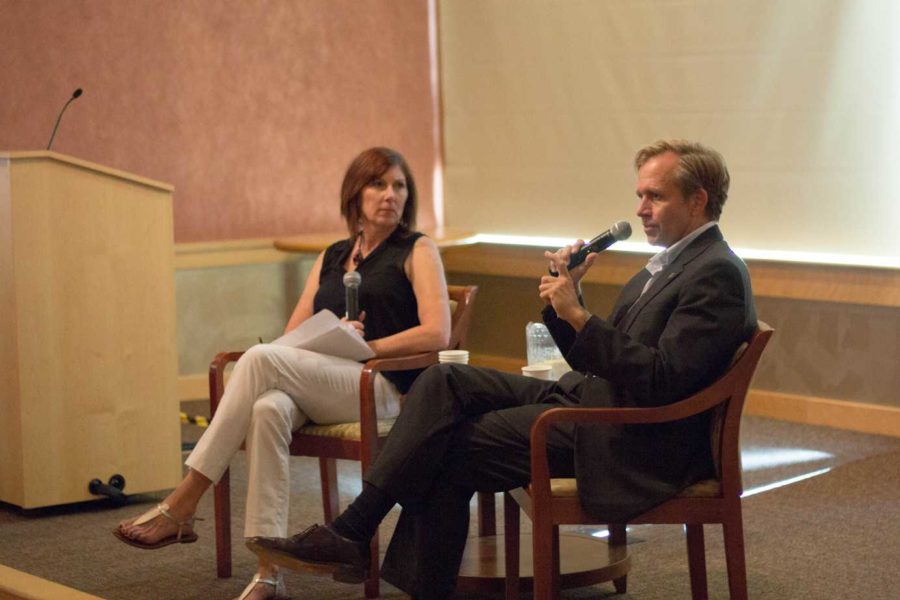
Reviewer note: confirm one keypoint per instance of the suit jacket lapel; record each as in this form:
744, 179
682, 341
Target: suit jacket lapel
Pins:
628, 296
671, 272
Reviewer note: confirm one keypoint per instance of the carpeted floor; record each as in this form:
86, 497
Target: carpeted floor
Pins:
835, 534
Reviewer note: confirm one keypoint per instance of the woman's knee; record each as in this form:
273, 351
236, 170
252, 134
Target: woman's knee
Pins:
258, 354
272, 411
263, 360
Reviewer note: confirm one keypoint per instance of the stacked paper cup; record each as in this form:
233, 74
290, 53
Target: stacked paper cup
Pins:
538, 371
454, 356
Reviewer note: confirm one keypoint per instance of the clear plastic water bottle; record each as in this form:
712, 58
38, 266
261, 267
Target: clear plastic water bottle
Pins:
539, 344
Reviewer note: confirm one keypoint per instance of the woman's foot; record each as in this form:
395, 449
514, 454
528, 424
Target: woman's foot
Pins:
267, 584
158, 527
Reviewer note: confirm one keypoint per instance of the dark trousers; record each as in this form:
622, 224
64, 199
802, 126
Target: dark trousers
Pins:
461, 430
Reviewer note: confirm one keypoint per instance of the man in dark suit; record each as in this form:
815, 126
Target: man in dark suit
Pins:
673, 330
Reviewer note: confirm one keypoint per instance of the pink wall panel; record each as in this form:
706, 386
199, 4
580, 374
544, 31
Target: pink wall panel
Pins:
251, 109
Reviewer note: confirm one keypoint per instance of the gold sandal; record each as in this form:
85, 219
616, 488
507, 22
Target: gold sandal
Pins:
181, 537
277, 582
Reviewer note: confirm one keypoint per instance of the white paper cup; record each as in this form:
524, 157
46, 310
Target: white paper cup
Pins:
453, 356
539, 371
560, 367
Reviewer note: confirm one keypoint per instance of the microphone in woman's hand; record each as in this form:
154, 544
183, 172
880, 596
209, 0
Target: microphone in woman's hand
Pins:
352, 279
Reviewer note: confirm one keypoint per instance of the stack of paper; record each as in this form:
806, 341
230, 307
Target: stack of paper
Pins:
325, 333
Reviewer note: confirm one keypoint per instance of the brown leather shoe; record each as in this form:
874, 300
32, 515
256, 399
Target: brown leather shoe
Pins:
316, 546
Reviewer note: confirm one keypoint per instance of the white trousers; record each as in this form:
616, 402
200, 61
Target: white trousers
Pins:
272, 391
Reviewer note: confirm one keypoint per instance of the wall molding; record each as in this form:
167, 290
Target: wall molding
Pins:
230, 253
871, 286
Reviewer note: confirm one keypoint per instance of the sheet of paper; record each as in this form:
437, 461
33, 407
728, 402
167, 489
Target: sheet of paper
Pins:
325, 333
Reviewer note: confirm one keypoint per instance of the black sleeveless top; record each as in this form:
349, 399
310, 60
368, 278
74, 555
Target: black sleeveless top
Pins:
385, 293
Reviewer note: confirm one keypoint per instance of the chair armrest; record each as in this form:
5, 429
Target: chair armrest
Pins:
700, 402
217, 377
222, 359
367, 416
402, 363
368, 426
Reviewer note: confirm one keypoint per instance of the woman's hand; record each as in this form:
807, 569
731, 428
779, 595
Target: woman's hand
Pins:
356, 326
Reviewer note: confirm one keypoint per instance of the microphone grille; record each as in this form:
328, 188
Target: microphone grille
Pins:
621, 231
77, 93
352, 279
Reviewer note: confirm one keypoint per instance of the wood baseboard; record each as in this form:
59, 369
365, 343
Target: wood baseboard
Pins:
840, 414
809, 410
193, 387
16, 585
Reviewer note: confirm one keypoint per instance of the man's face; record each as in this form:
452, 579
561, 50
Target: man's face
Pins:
667, 216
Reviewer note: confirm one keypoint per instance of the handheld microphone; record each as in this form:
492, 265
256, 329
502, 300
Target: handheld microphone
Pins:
618, 232
352, 280
75, 94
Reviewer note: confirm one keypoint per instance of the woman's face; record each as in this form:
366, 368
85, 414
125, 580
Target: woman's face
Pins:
383, 198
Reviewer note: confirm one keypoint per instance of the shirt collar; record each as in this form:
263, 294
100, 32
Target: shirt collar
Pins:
662, 259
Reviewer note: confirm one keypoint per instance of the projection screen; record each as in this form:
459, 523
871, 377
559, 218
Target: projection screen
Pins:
545, 103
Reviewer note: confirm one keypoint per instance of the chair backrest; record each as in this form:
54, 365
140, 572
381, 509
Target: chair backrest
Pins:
725, 422
462, 303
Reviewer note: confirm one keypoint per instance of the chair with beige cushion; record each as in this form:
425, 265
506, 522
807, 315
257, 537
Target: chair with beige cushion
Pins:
352, 441
554, 502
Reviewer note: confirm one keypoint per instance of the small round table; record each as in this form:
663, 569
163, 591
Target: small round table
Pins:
584, 560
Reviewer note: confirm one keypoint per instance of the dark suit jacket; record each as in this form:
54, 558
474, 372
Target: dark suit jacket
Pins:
675, 340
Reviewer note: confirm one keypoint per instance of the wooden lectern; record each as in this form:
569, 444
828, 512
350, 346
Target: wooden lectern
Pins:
88, 358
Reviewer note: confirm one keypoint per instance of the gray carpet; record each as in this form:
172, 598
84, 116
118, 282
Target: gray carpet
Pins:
833, 535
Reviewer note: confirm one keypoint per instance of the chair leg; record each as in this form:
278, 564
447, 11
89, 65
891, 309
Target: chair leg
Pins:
511, 542
545, 554
331, 502
555, 568
222, 515
487, 515
734, 558
374, 579
697, 561
618, 537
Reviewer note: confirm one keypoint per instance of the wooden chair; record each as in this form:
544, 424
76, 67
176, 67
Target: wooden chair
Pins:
552, 502
353, 441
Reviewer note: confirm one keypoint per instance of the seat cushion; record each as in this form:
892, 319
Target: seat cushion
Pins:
708, 488
346, 431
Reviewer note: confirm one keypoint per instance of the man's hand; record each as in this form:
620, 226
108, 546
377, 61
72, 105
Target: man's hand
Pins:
563, 290
563, 255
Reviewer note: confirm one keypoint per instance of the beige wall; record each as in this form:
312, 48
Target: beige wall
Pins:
829, 363
820, 349
252, 110
228, 308
825, 350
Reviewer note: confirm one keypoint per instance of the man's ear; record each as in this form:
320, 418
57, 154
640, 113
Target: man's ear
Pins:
699, 200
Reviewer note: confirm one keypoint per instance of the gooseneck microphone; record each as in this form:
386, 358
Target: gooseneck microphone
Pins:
75, 94
618, 232
352, 280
